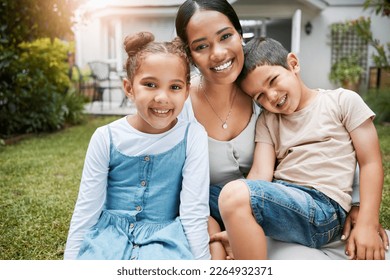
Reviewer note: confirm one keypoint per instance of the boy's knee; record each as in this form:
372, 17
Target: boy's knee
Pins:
234, 196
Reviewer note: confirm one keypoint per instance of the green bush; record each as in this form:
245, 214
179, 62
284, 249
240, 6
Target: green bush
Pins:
34, 88
73, 107
347, 69
379, 102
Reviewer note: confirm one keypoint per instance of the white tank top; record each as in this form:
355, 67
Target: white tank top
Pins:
229, 160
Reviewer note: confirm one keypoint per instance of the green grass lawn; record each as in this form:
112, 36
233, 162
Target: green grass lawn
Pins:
39, 184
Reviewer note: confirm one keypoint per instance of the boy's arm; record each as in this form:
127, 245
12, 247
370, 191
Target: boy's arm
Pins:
263, 162
365, 242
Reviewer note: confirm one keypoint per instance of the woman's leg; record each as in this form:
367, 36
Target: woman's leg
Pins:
246, 236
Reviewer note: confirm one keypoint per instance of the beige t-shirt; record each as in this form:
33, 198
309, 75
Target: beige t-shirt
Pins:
313, 146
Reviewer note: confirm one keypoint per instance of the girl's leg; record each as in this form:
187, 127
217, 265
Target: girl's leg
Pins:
216, 247
246, 236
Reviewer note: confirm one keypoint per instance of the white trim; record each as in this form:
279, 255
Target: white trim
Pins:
266, 11
118, 44
296, 32
314, 4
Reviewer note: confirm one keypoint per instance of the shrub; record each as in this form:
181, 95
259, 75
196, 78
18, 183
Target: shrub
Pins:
33, 88
347, 69
379, 102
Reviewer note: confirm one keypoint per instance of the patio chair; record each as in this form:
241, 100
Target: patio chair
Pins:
102, 80
81, 83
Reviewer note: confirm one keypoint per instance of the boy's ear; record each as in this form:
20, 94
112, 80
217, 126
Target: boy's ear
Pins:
128, 88
293, 62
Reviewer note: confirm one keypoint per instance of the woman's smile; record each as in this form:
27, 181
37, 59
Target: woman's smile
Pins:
223, 66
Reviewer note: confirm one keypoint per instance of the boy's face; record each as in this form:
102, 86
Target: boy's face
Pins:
275, 88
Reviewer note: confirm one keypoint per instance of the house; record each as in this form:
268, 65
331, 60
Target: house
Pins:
303, 26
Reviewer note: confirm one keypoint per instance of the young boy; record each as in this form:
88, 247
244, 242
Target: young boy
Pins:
307, 143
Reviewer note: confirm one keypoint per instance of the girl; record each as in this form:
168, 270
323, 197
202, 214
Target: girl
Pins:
144, 187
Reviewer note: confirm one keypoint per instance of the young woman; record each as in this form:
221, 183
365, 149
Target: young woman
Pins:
212, 33
144, 189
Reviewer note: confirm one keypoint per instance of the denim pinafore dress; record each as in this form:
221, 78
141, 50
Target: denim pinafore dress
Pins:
140, 219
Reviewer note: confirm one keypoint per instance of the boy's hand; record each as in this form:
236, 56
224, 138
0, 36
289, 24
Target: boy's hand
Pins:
365, 243
224, 239
350, 222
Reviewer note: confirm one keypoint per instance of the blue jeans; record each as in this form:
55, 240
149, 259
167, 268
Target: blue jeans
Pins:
293, 213
215, 191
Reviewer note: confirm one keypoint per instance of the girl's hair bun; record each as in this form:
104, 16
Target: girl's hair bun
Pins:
134, 43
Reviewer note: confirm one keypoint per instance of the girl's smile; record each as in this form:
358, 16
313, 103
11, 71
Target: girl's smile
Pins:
160, 112
158, 95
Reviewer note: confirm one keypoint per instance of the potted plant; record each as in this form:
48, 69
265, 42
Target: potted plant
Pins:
347, 72
380, 72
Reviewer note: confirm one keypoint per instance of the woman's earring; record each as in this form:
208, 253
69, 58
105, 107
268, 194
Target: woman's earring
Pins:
243, 42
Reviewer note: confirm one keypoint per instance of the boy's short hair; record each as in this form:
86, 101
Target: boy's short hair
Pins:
262, 51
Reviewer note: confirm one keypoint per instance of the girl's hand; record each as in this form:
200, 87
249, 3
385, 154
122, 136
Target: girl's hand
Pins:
224, 239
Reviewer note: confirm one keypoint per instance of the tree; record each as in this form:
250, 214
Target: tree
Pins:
381, 7
27, 20
33, 65
363, 28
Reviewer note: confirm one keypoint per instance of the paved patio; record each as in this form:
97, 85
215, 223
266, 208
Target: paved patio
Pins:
105, 108
119, 105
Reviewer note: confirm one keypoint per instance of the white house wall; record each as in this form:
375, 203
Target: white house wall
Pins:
91, 37
314, 53
162, 28
315, 48
88, 42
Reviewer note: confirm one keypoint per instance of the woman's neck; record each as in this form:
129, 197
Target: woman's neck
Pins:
219, 93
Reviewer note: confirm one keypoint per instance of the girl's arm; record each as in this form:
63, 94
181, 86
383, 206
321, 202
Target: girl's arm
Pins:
365, 241
194, 196
92, 192
263, 162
